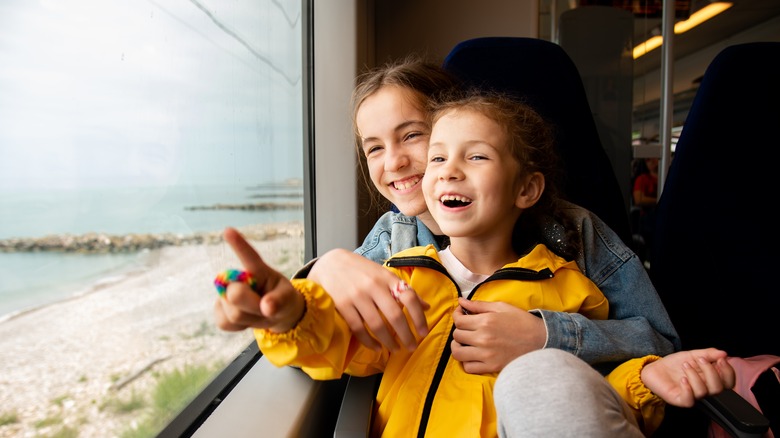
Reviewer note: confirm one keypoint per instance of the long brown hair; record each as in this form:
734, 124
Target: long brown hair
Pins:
425, 81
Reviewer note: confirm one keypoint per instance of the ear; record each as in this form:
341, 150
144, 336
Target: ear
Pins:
530, 190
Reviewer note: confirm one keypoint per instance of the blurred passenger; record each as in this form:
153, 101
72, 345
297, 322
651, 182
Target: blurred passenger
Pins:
645, 197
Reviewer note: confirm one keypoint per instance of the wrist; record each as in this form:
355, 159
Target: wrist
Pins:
299, 311
646, 364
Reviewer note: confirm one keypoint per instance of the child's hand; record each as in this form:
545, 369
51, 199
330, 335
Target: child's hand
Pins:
481, 341
360, 289
686, 376
278, 306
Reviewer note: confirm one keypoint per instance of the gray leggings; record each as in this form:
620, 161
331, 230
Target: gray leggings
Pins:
552, 393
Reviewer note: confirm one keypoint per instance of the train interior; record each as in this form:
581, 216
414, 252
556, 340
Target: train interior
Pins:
134, 132
640, 102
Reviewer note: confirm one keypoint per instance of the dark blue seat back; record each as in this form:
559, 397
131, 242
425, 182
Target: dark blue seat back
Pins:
541, 73
716, 247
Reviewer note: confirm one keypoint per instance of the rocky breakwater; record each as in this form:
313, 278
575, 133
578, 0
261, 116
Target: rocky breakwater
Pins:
101, 243
259, 206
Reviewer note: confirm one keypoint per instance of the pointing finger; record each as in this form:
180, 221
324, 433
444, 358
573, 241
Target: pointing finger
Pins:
249, 258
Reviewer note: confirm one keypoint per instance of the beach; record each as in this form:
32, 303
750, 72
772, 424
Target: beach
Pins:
64, 362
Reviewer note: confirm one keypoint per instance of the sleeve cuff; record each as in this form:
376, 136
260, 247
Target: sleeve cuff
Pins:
626, 379
312, 334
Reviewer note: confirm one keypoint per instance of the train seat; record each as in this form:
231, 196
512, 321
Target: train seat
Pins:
715, 246
542, 74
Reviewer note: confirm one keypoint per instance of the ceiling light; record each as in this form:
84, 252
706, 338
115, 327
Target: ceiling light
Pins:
694, 20
648, 45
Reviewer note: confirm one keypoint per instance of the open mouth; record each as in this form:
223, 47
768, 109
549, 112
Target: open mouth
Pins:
454, 201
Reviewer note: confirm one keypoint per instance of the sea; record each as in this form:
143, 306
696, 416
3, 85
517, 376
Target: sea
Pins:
30, 280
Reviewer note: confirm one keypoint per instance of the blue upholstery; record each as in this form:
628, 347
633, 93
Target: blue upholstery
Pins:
716, 244
716, 249
541, 73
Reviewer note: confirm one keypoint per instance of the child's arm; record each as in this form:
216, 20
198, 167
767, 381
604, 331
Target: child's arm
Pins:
295, 322
321, 342
359, 288
680, 379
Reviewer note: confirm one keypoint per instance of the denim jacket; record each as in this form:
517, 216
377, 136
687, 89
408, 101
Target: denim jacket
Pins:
638, 323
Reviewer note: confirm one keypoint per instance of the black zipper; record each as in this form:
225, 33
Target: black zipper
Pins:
501, 274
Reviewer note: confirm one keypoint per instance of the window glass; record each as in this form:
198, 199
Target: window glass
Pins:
132, 133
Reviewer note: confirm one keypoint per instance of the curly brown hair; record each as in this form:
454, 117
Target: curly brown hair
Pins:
532, 145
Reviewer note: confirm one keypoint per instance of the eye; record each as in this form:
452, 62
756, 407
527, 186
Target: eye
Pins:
437, 159
478, 157
414, 135
370, 149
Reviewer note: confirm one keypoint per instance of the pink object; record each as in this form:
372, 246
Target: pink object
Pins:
748, 370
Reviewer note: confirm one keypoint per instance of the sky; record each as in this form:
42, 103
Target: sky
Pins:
149, 92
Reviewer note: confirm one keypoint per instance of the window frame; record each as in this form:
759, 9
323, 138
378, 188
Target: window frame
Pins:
342, 33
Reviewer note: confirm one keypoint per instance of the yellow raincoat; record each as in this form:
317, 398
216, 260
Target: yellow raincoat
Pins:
321, 344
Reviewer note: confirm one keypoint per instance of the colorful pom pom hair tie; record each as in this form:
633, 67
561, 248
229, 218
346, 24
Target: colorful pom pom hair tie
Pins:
232, 275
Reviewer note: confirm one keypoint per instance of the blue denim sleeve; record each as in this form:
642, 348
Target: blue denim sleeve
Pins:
376, 245
638, 323
393, 232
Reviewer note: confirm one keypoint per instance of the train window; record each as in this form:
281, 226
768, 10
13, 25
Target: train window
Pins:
132, 133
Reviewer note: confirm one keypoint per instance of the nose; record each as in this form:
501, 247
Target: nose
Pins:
450, 170
395, 158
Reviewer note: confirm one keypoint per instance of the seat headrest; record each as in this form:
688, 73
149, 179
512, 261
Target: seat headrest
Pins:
543, 75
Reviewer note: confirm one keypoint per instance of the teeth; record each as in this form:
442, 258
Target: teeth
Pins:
457, 198
406, 184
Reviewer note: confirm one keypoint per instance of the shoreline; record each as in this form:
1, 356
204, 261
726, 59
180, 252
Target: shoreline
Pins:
69, 358
102, 243
95, 287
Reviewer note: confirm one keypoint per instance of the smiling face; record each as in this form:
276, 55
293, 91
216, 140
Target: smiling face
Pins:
394, 133
472, 184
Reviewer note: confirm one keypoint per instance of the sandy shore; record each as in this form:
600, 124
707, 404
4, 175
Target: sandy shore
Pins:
62, 363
